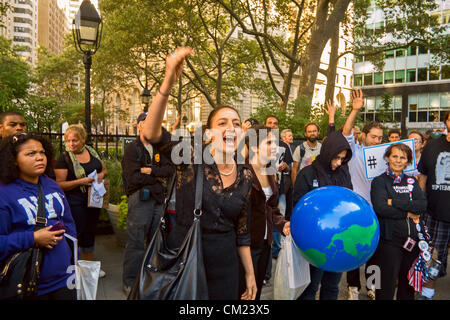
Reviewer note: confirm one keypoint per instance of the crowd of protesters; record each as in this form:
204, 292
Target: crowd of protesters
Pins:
245, 209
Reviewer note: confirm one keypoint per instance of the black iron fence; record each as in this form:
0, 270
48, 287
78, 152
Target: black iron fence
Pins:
109, 145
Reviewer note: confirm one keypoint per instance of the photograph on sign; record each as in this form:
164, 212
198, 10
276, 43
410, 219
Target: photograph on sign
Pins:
376, 164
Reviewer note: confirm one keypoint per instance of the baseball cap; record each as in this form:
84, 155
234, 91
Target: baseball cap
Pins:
142, 116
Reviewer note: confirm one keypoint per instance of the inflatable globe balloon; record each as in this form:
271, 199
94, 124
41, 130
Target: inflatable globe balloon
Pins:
335, 228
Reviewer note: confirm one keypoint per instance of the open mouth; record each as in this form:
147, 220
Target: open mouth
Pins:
230, 139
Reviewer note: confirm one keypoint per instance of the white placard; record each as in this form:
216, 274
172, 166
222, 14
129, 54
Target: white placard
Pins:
375, 163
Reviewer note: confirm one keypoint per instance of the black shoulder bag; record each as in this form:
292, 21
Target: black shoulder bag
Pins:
174, 274
19, 273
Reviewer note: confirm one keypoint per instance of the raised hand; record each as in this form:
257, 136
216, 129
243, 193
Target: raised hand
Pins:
358, 99
330, 110
175, 63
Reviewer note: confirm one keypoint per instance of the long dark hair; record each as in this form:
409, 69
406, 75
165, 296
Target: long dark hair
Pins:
9, 148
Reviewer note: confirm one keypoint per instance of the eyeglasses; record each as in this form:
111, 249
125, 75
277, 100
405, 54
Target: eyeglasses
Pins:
417, 141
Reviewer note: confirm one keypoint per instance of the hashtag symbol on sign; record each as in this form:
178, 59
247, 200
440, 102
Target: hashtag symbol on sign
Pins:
372, 162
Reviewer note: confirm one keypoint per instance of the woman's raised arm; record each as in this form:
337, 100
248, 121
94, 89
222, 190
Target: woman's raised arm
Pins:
174, 66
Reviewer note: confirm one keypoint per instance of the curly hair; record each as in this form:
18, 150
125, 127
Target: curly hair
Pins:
78, 130
10, 147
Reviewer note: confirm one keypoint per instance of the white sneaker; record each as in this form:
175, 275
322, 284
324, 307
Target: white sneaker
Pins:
101, 274
353, 293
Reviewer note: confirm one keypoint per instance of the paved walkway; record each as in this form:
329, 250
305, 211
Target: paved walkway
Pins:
111, 257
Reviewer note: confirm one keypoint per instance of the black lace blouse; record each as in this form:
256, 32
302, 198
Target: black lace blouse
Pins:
224, 209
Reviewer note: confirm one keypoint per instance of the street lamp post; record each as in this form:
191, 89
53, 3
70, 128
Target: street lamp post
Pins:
145, 98
87, 32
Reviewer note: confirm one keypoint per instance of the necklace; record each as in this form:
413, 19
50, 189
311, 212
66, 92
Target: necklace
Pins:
228, 173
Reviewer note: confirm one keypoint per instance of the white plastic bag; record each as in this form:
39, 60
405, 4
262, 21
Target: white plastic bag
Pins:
86, 274
89, 273
291, 272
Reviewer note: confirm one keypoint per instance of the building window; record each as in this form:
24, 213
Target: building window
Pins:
368, 79
423, 50
434, 73
344, 80
445, 72
434, 101
422, 74
378, 78
445, 100
411, 75
357, 80
412, 107
422, 101
388, 77
412, 50
389, 54
399, 76
400, 52
370, 104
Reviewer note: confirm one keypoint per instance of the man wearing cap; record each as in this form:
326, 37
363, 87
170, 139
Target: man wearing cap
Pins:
143, 170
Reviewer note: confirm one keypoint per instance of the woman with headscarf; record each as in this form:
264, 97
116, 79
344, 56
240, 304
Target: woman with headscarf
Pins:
72, 170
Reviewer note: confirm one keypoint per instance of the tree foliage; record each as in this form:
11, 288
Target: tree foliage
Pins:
14, 76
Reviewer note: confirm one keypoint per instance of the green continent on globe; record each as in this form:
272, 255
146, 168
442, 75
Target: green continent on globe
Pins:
353, 236
315, 256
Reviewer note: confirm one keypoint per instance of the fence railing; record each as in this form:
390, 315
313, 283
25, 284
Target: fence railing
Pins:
108, 145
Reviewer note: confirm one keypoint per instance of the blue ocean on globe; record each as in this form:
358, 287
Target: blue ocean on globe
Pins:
335, 228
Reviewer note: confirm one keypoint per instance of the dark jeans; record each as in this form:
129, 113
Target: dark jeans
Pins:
260, 257
394, 263
86, 220
328, 281
142, 221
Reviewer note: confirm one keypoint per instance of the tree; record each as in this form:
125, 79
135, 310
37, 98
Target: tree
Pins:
55, 74
4, 7
14, 76
223, 63
42, 113
291, 35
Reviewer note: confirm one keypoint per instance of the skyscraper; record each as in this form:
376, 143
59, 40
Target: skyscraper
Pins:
21, 24
52, 25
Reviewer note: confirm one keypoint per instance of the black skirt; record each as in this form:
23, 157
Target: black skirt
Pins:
221, 262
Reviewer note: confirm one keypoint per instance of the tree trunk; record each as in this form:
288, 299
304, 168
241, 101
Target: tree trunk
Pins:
323, 29
332, 67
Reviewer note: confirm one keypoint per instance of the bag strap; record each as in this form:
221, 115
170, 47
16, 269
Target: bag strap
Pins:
41, 220
198, 191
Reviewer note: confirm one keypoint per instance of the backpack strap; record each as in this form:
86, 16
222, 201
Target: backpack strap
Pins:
302, 151
41, 220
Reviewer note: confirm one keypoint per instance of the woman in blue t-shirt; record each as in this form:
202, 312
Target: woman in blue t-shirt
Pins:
25, 162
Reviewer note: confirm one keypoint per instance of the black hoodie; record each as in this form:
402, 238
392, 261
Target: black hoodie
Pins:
319, 173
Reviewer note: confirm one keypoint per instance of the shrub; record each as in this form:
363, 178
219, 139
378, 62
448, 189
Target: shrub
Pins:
115, 177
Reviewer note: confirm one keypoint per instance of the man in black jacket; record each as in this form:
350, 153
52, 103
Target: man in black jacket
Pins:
144, 169
434, 179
